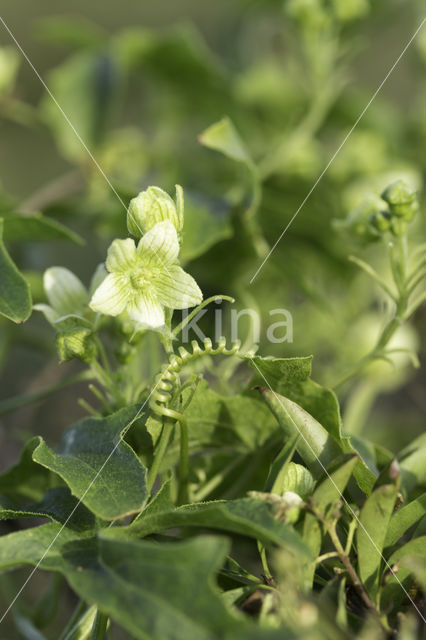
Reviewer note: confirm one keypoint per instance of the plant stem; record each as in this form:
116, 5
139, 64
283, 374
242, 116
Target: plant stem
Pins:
183, 464
100, 626
76, 615
326, 556
160, 451
264, 560
398, 260
344, 558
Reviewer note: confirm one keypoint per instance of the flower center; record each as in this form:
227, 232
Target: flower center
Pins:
142, 277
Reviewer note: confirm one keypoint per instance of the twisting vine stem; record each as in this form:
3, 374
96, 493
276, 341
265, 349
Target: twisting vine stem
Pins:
164, 399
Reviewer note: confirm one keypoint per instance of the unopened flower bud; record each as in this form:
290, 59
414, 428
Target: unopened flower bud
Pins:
152, 206
297, 480
381, 220
361, 220
74, 340
401, 199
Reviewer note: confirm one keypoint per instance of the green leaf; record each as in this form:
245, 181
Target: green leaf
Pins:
15, 294
36, 226
100, 468
393, 593
290, 377
223, 136
281, 372
313, 411
58, 505
315, 445
179, 58
248, 516
215, 419
280, 466
135, 581
26, 479
412, 463
206, 224
240, 421
404, 518
371, 534
417, 566
328, 491
85, 85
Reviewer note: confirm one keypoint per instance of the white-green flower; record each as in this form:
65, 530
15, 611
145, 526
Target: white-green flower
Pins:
66, 294
146, 278
153, 206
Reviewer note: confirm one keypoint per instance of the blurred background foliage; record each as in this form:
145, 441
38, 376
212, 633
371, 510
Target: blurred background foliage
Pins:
140, 82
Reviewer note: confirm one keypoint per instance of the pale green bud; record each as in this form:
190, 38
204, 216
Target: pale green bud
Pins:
152, 206
381, 220
361, 221
401, 199
75, 340
292, 504
298, 480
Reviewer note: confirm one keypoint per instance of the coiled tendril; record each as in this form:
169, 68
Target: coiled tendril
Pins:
166, 391
167, 383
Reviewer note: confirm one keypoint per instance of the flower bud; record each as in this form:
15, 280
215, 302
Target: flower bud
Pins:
75, 340
362, 221
152, 206
292, 506
298, 480
381, 220
401, 199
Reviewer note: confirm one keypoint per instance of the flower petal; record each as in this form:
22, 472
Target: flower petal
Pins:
147, 310
65, 292
121, 255
159, 246
50, 314
176, 289
111, 296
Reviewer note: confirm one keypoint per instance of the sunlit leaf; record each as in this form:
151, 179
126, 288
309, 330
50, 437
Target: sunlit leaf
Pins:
15, 295
371, 535
99, 467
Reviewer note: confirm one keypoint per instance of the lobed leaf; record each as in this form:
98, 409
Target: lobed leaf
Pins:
59, 505
153, 591
99, 467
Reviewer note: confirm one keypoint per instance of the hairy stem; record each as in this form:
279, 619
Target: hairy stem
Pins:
160, 452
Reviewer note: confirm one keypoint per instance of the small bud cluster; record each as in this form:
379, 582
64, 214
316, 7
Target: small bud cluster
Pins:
391, 211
